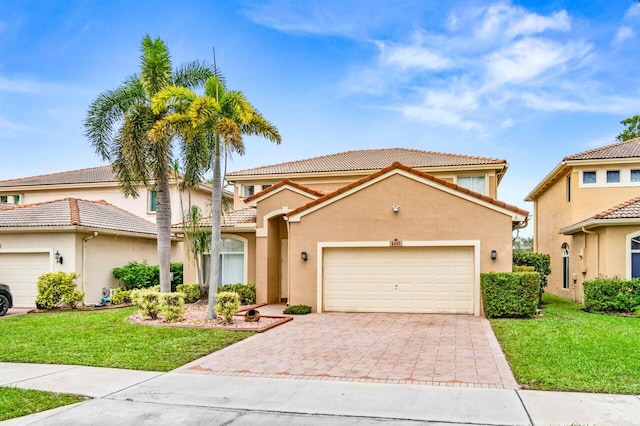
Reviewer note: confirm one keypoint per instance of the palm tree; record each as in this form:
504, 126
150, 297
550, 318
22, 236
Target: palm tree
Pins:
210, 125
118, 124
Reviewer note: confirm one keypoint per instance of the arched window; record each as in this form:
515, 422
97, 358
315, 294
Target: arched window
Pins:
565, 265
232, 262
635, 256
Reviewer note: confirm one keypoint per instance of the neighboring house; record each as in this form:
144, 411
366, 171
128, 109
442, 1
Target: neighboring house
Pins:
382, 230
71, 235
587, 217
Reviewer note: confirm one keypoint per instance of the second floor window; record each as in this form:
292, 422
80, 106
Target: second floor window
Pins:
613, 176
635, 175
152, 203
588, 177
474, 183
248, 190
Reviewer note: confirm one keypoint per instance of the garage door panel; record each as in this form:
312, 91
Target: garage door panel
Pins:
406, 279
21, 271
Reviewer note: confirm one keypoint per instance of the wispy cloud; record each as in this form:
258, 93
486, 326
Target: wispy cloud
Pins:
28, 86
633, 11
10, 126
624, 33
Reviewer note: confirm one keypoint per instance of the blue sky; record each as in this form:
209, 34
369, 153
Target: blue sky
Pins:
526, 81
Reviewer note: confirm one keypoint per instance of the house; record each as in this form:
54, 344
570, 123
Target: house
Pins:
71, 235
380, 230
587, 217
83, 216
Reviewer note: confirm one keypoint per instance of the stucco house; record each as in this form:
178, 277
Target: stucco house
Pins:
83, 216
587, 217
380, 230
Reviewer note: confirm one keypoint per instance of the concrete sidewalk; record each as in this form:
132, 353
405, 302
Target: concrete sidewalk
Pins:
135, 397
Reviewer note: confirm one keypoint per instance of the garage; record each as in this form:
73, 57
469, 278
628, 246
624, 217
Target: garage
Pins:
21, 271
399, 279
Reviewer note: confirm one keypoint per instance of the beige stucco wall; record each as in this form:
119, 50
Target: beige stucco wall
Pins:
426, 214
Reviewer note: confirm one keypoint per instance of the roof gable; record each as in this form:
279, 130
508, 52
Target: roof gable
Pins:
72, 212
398, 167
368, 160
283, 184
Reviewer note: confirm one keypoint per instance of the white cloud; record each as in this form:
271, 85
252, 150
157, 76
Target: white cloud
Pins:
7, 125
504, 20
633, 11
586, 103
412, 57
624, 33
28, 86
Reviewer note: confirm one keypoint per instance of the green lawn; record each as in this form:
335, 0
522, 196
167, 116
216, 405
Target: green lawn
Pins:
105, 338
567, 349
16, 402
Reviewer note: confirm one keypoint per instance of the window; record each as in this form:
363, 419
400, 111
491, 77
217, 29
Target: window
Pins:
635, 257
4, 199
565, 266
152, 201
588, 177
248, 190
474, 183
635, 175
231, 262
16, 199
613, 176
265, 187
569, 189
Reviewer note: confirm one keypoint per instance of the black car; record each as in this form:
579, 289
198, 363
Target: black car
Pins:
6, 300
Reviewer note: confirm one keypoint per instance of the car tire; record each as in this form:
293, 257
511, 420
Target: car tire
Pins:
4, 304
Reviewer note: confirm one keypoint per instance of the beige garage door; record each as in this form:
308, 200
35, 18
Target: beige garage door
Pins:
21, 271
399, 279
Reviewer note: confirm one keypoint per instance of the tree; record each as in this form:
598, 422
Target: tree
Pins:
118, 124
209, 125
522, 244
198, 241
632, 128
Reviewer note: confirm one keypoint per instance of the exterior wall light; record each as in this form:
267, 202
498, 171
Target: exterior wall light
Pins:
395, 208
58, 257
494, 255
304, 256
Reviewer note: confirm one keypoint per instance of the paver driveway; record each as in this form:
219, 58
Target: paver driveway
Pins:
447, 350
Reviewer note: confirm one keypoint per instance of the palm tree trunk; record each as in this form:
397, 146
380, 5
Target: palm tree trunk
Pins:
163, 223
216, 206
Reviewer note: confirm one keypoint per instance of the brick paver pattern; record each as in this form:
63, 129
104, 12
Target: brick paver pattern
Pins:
427, 349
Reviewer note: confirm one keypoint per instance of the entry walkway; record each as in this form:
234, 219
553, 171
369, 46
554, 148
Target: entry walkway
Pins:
424, 349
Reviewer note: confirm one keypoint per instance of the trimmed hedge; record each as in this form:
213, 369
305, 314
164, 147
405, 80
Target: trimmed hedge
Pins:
297, 310
247, 292
56, 288
227, 305
612, 295
523, 268
142, 275
510, 294
191, 292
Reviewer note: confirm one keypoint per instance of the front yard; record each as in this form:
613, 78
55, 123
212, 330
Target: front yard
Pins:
16, 402
567, 349
106, 339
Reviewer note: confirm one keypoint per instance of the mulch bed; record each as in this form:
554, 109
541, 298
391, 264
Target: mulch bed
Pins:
196, 317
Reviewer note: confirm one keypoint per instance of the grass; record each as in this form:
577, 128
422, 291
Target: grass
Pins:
567, 349
106, 339
16, 402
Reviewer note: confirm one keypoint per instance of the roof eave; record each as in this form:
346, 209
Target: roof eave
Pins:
596, 223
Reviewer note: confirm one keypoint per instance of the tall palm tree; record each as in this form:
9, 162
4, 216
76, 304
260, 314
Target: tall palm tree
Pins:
118, 124
209, 125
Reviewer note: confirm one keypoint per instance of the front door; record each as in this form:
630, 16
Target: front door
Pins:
284, 270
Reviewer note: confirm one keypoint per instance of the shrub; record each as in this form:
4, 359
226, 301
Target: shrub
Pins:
148, 301
191, 292
510, 294
523, 268
172, 306
297, 310
612, 295
541, 263
55, 288
177, 271
227, 305
120, 296
247, 292
137, 275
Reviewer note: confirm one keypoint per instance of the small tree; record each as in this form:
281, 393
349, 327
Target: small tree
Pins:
632, 130
198, 241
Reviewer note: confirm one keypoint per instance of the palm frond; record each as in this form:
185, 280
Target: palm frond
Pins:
156, 66
176, 97
259, 126
193, 74
215, 87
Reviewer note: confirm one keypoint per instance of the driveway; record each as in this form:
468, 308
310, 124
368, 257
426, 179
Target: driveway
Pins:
445, 350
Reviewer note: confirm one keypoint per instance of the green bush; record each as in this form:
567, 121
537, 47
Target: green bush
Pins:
227, 305
172, 306
612, 295
541, 262
191, 292
247, 292
55, 288
148, 301
512, 294
297, 310
177, 271
523, 268
120, 296
137, 275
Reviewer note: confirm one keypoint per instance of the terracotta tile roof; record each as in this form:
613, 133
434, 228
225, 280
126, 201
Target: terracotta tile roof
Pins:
626, 210
74, 212
397, 165
91, 175
281, 184
625, 149
368, 159
229, 219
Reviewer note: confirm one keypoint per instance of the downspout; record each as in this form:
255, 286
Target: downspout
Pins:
286, 219
84, 255
584, 250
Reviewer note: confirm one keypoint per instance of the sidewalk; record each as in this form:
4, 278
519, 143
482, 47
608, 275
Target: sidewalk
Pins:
137, 397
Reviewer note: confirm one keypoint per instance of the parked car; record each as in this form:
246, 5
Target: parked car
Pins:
6, 300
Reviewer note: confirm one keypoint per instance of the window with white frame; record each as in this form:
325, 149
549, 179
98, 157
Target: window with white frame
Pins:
152, 201
565, 266
265, 187
613, 176
589, 177
635, 257
634, 175
248, 190
232, 261
474, 183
